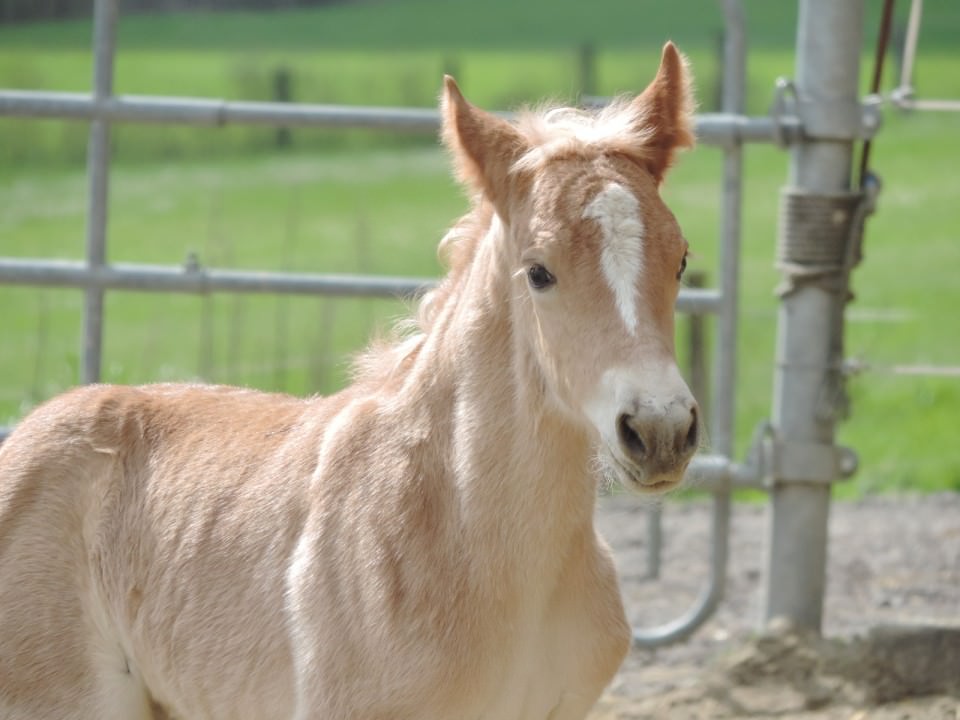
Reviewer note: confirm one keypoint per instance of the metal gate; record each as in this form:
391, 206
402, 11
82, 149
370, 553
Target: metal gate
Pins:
728, 130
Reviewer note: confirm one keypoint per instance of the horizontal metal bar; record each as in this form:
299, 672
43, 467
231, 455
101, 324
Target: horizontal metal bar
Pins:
726, 129
198, 279
717, 473
907, 102
205, 111
699, 301
712, 128
157, 278
709, 473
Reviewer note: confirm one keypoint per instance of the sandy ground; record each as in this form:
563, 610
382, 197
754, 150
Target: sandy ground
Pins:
893, 573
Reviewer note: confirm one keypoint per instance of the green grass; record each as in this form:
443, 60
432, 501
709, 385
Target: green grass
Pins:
353, 202
413, 24
457, 24
393, 53
311, 214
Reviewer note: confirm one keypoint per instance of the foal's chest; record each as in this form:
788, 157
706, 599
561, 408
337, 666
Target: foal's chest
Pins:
554, 673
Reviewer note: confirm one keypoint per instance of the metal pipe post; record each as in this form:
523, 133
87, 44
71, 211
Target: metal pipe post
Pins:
723, 409
98, 173
810, 320
910, 45
734, 101
723, 406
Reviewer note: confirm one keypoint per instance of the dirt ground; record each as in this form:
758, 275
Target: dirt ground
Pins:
891, 643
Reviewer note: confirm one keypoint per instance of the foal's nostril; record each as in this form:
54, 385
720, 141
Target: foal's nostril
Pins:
693, 433
629, 437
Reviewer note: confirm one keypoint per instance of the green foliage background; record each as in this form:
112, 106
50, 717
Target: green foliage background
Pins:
361, 202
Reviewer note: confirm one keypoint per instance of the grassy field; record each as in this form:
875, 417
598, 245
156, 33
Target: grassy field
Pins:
348, 203
393, 53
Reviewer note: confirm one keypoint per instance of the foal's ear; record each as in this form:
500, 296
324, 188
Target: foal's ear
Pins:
484, 146
665, 112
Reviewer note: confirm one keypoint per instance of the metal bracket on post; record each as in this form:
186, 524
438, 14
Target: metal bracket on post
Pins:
821, 118
811, 462
771, 457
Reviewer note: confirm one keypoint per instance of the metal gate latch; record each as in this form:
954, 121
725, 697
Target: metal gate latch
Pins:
771, 459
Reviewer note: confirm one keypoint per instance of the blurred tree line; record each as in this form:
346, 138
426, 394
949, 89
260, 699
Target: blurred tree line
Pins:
12, 11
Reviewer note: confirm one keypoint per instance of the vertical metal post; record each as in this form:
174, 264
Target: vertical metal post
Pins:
698, 361
723, 405
734, 101
910, 44
810, 320
725, 370
697, 375
98, 174
723, 408
654, 541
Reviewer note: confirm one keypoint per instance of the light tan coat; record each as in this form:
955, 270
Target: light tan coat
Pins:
418, 546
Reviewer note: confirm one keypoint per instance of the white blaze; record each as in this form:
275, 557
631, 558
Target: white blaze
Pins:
617, 212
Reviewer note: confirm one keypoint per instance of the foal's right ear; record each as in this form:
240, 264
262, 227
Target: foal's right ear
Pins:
484, 146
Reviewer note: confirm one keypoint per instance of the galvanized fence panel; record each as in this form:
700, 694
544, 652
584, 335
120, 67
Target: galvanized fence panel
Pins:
728, 130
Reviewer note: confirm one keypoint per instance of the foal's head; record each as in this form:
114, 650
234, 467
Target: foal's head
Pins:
596, 258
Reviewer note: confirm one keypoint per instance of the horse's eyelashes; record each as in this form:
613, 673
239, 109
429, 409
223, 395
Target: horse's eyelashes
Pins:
539, 277
683, 266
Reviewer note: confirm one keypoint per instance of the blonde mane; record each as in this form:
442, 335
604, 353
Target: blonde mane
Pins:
384, 357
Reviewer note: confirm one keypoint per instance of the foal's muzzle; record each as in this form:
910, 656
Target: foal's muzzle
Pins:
659, 441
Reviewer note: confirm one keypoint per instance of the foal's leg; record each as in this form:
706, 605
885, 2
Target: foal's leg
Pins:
593, 636
53, 663
56, 662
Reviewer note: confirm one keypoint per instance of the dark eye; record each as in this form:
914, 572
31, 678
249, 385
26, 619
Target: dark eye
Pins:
683, 266
539, 277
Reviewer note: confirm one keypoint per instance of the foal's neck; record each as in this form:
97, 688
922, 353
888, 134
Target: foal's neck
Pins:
521, 467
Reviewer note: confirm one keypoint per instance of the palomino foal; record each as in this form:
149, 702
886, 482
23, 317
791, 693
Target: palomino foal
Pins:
418, 546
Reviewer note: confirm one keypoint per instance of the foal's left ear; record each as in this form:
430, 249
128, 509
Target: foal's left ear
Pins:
484, 146
665, 112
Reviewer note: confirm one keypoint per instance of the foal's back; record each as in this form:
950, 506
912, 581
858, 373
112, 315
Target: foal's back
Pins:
116, 503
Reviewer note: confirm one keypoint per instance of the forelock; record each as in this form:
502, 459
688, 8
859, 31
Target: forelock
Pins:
564, 132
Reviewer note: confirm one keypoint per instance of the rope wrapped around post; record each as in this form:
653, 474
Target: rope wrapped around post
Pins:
820, 236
